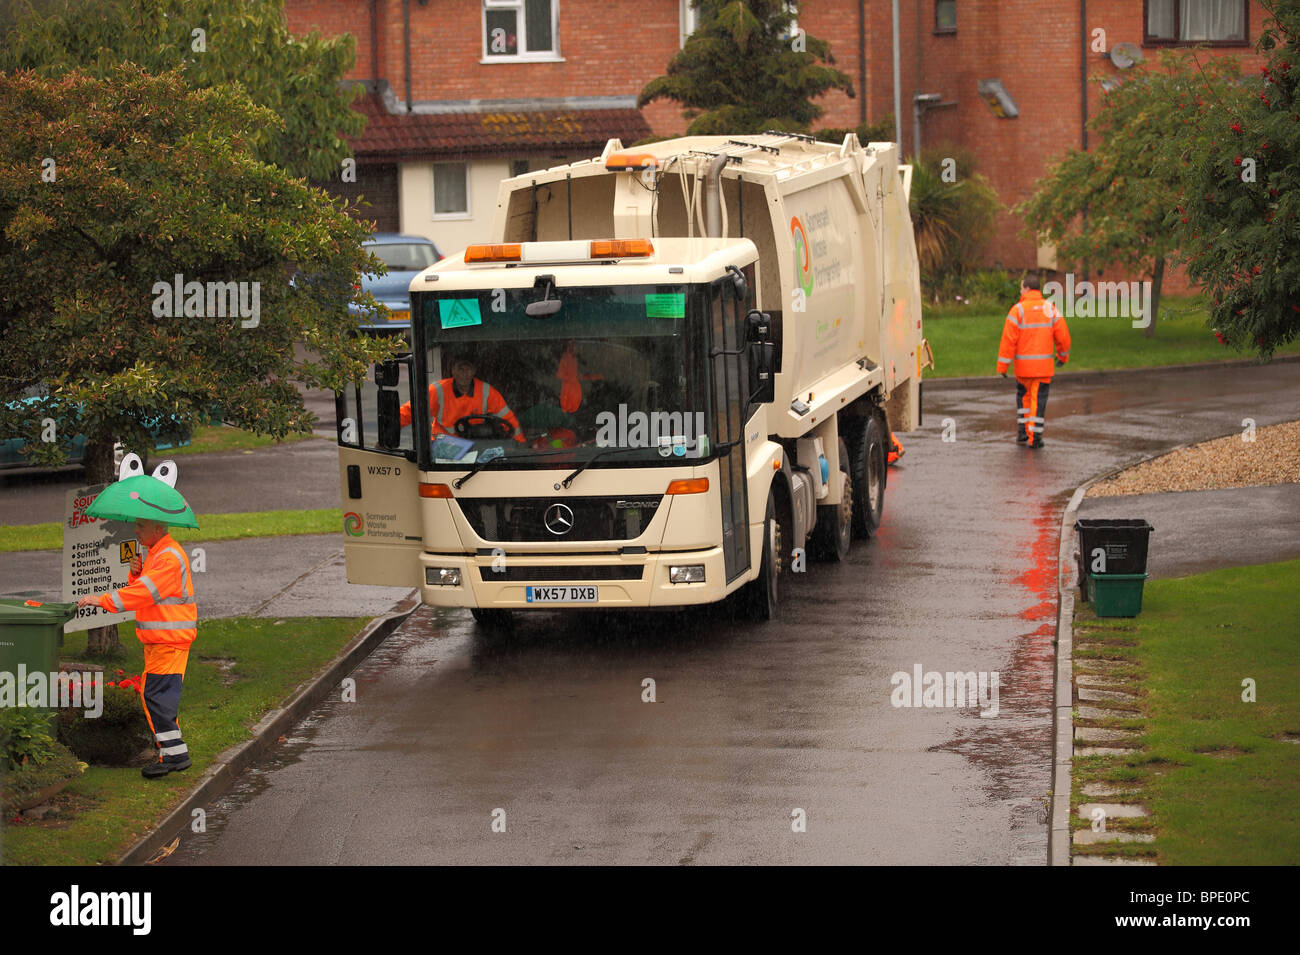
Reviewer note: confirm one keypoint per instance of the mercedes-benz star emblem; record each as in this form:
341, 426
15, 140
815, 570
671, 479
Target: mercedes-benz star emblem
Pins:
559, 519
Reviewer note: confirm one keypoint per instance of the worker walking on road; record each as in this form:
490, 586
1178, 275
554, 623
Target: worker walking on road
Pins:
1035, 339
160, 590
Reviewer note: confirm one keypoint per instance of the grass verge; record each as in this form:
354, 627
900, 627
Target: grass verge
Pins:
966, 344
239, 669
1218, 774
214, 527
225, 438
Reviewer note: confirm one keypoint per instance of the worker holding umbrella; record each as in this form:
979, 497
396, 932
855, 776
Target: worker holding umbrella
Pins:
160, 591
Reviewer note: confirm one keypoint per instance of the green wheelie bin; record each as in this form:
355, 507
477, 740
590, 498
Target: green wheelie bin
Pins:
31, 633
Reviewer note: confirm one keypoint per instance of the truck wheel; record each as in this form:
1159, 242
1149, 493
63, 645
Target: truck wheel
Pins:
763, 593
869, 463
492, 619
833, 534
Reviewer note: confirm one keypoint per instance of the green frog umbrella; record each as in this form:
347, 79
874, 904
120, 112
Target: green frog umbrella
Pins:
137, 496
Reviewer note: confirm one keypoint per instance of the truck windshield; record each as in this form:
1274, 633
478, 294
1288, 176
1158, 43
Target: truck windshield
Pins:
609, 372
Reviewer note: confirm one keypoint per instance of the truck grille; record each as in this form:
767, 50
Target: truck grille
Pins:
608, 572
586, 518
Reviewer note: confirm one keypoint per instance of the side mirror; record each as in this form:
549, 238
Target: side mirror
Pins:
762, 373
390, 420
758, 326
738, 280
387, 374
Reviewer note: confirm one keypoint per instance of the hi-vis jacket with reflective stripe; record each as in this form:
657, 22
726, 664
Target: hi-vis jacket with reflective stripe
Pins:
162, 597
1034, 336
446, 407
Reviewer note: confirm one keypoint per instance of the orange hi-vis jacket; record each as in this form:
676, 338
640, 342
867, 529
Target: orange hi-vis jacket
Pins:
1034, 337
162, 597
446, 407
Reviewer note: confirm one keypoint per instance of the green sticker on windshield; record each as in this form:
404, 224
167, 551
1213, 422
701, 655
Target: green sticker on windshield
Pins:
665, 305
459, 312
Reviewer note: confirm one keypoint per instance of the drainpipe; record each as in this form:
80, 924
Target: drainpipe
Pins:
406, 42
862, 62
713, 197
1083, 72
898, 98
374, 45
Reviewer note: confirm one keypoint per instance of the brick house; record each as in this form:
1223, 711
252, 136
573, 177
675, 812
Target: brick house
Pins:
496, 87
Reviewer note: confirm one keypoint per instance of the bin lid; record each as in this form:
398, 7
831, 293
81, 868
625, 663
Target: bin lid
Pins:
16, 610
1113, 524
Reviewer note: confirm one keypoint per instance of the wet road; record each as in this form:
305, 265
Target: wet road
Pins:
750, 722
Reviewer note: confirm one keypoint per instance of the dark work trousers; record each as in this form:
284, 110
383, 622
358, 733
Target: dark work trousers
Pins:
162, 700
1031, 407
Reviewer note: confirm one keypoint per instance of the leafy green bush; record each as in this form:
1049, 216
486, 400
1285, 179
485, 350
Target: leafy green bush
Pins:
31, 760
25, 737
989, 288
952, 210
878, 132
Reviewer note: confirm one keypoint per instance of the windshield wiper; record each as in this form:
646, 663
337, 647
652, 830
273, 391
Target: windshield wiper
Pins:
591, 460
478, 466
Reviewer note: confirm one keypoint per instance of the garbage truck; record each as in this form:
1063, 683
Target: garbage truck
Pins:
670, 375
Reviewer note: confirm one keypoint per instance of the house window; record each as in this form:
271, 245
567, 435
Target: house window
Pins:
792, 8
519, 29
450, 190
689, 18
1196, 21
945, 16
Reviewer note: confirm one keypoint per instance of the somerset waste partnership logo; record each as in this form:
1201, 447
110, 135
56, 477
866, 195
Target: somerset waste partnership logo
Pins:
802, 255
353, 525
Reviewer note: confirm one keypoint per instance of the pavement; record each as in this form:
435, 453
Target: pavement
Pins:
299, 575
1197, 531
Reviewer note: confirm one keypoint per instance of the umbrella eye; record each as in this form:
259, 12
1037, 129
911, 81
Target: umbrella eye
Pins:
131, 466
166, 472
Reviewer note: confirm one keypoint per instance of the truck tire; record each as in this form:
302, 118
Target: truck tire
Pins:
763, 593
868, 465
492, 619
833, 535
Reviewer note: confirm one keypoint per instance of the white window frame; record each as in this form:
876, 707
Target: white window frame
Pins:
792, 7
688, 20
469, 199
521, 32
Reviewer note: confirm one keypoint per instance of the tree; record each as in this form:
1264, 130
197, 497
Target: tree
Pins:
110, 189
214, 43
744, 70
1110, 205
1239, 209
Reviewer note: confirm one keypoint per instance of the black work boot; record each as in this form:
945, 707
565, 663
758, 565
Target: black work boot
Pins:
164, 766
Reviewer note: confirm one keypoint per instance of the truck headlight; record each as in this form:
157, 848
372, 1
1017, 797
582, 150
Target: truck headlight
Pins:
442, 576
686, 574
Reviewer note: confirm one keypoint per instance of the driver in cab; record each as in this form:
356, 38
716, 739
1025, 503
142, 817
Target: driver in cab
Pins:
463, 396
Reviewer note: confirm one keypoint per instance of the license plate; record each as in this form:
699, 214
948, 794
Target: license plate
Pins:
402, 316
561, 595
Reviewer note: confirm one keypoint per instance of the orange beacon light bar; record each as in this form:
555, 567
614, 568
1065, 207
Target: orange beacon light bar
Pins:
626, 161
510, 252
